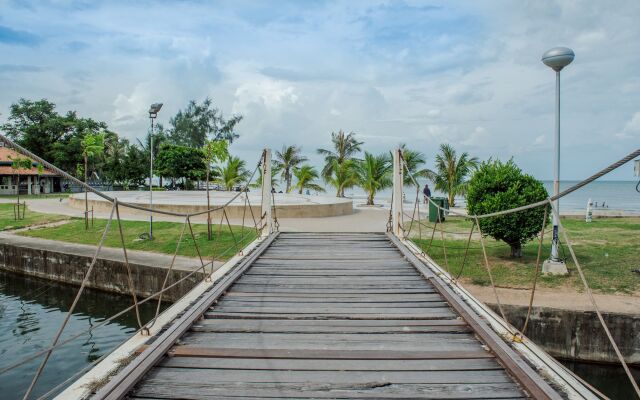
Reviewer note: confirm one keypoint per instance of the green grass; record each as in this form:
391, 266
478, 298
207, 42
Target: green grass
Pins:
8, 222
166, 235
608, 249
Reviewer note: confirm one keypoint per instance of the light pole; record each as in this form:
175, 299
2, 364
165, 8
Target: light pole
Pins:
153, 113
556, 58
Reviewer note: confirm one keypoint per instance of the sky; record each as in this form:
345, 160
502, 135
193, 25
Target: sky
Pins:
417, 72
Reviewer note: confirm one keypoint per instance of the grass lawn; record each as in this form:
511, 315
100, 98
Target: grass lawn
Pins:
166, 235
7, 220
608, 249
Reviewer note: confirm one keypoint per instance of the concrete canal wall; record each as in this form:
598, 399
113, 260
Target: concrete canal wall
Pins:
68, 263
578, 335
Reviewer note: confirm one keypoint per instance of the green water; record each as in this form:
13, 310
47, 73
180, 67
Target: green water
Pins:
31, 310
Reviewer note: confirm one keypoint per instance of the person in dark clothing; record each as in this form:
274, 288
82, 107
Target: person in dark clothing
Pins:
427, 193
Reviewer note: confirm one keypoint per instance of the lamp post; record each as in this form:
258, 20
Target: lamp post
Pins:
153, 114
556, 58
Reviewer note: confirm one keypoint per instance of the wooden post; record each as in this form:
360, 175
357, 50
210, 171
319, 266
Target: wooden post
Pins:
396, 206
267, 228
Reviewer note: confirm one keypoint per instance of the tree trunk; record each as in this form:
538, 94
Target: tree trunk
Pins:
208, 208
516, 250
288, 181
160, 177
86, 204
370, 198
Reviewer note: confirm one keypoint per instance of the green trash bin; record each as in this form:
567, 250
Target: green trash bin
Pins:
434, 211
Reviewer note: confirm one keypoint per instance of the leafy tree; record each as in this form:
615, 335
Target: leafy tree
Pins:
134, 166
450, 175
92, 146
306, 176
177, 162
343, 176
214, 151
345, 147
286, 162
115, 151
498, 186
374, 173
160, 137
232, 174
193, 125
414, 161
17, 164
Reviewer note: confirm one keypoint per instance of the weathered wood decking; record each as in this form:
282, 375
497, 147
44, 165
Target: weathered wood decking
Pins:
337, 316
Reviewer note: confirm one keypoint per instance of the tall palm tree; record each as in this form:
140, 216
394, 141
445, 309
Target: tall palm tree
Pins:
451, 172
306, 175
213, 150
286, 161
232, 174
92, 144
343, 176
414, 161
345, 147
374, 173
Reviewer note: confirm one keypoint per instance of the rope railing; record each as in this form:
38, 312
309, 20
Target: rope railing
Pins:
201, 268
547, 204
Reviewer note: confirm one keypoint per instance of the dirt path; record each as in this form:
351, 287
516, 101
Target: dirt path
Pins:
561, 298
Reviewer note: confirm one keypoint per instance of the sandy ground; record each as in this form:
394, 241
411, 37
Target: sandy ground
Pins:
374, 219
565, 298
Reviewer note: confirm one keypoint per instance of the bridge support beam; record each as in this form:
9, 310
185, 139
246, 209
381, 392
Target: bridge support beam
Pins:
396, 206
267, 199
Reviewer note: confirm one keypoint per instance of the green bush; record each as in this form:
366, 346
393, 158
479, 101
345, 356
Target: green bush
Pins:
498, 186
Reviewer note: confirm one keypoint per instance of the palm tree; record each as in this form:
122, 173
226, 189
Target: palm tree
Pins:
286, 161
451, 172
345, 147
214, 150
414, 160
92, 145
343, 176
374, 173
306, 175
232, 173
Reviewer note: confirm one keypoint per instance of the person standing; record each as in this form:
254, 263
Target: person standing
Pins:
427, 193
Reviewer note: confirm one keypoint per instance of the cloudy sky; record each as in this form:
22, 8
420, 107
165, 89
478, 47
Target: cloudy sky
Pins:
415, 72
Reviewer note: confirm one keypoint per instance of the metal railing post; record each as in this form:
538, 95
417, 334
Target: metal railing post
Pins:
396, 206
266, 210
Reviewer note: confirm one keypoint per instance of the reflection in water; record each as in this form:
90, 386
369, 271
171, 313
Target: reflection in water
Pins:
31, 311
611, 380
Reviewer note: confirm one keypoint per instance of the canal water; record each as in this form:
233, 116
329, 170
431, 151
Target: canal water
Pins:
31, 311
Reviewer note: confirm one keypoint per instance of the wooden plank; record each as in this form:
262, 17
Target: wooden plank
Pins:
321, 309
200, 375
260, 289
335, 296
156, 388
280, 328
335, 322
459, 364
308, 354
335, 341
343, 304
417, 316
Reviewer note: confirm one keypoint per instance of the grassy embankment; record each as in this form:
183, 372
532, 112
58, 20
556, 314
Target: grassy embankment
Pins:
608, 250
35, 196
165, 234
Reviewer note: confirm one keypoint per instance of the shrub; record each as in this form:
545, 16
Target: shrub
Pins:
498, 186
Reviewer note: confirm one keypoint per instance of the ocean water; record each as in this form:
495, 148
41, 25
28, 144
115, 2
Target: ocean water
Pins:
612, 195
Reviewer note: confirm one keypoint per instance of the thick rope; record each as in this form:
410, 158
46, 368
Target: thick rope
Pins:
486, 263
132, 288
537, 271
593, 301
466, 252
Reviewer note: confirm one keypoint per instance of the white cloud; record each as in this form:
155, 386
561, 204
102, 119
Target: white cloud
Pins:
631, 128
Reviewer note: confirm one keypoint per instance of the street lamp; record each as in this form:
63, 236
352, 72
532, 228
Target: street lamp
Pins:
153, 114
556, 58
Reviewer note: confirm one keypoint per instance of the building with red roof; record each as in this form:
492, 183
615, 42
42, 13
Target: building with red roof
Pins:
28, 181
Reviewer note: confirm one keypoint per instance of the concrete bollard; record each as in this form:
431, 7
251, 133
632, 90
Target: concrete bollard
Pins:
589, 215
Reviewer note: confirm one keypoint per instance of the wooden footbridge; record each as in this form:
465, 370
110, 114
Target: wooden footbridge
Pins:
310, 315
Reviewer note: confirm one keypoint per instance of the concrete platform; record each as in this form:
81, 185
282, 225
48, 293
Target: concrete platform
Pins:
287, 205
